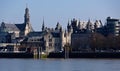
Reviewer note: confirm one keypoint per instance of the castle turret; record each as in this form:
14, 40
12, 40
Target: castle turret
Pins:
68, 27
74, 25
58, 26
97, 24
89, 26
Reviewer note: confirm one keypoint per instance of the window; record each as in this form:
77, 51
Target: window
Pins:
50, 40
57, 44
31, 39
50, 44
38, 39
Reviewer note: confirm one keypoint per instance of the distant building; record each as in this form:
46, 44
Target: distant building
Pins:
18, 30
10, 28
49, 39
5, 37
12, 34
82, 33
78, 34
112, 26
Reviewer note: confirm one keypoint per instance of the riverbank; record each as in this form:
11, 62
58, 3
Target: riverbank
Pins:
86, 55
63, 55
16, 55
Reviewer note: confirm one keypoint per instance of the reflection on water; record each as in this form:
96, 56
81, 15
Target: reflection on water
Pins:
60, 65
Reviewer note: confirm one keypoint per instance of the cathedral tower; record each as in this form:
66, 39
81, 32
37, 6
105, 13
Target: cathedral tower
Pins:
28, 27
26, 16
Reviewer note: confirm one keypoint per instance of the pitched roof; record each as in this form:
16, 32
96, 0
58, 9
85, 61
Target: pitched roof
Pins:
36, 34
21, 27
11, 27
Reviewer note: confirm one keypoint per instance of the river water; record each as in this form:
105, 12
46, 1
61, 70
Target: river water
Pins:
60, 65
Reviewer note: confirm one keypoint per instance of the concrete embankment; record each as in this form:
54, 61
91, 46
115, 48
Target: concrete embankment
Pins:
16, 55
86, 55
63, 55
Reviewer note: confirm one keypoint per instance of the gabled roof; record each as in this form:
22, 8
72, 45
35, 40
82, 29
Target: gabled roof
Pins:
36, 34
21, 27
11, 27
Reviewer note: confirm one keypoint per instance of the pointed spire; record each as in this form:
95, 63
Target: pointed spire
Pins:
43, 20
58, 26
96, 24
68, 23
26, 16
89, 25
26, 10
101, 23
43, 25
79, 25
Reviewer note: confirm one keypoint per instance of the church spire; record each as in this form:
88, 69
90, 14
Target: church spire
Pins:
68, 26
79, 25
43, 25
26, 16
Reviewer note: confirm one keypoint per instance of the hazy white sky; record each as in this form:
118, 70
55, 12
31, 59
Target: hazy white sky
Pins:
12, 11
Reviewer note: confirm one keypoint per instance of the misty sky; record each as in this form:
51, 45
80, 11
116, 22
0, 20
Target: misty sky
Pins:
53, 11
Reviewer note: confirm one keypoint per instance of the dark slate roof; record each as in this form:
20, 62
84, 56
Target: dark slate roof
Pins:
54, 34
36, 34
21, 27
11, 27
27, 39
